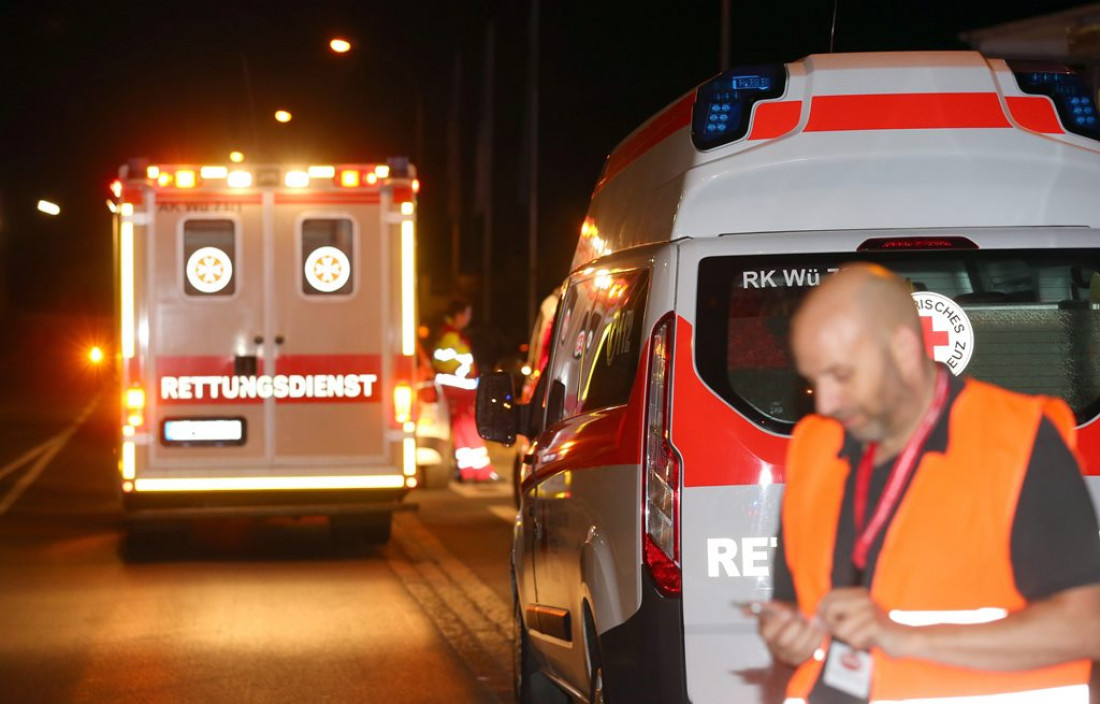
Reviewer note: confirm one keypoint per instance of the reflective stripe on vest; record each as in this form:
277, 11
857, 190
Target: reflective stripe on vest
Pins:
1073, 694
933, 618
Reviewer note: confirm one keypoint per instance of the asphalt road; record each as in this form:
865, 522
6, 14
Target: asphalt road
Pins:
226, 611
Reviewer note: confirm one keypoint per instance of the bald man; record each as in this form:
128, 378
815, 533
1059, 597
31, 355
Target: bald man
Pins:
938, 543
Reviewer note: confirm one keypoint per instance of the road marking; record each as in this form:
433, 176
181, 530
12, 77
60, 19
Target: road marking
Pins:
44, 452
474, 620
505, 513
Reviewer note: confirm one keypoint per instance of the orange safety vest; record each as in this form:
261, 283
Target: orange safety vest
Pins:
946, 556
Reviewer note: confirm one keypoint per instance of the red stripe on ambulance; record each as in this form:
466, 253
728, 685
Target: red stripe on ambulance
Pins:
718, 445
906, 111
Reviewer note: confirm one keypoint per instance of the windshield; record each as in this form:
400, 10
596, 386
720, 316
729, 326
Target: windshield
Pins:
1025, 320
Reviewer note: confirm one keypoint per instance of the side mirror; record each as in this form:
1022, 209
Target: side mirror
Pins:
497, 412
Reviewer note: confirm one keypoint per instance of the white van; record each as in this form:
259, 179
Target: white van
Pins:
267, 340
651, 490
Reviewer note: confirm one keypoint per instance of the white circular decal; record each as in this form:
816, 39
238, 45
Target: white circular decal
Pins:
948, 334
209, 269
327, 269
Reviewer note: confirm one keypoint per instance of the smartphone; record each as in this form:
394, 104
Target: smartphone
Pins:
750, 608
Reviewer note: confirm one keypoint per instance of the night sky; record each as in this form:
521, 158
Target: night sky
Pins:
87, 86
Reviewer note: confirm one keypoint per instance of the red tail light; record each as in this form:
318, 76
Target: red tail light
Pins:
661, 483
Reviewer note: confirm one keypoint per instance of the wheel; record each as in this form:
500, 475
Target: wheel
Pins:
596, 692
531, 686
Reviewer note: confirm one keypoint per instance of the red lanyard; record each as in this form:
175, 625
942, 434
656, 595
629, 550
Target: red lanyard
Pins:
899, 475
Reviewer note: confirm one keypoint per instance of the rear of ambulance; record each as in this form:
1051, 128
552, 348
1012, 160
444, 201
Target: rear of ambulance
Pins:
267, 340
973, 179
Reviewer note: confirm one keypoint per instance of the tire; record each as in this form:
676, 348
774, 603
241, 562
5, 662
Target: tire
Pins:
530, 685
597, 694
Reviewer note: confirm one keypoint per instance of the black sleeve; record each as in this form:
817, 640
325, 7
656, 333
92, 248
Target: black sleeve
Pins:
782, 584
1055, 544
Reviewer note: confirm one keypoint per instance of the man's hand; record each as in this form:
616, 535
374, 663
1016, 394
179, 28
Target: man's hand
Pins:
851, 616
791, 638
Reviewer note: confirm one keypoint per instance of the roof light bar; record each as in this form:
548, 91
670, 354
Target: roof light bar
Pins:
322, 171
723, 106
185, 178
239, 179
1072, 98
297, 179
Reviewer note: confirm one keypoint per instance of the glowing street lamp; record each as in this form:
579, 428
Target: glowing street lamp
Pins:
340, 46
49, 208
283, 116
237, 157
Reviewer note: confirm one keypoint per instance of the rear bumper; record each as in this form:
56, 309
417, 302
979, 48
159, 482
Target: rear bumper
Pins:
139, 506
643, 658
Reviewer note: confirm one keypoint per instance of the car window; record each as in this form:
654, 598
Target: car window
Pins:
614, 338
1025, 320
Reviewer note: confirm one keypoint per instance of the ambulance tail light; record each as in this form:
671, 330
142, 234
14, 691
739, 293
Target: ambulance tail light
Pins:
402, 403
134, 403
723, 105
1071, 97
661, 478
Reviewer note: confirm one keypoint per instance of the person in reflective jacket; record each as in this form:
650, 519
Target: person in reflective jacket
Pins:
937, 542
456, 374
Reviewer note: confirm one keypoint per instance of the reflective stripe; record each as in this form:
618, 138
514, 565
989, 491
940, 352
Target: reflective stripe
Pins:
449, 354
1072, 694
456, 381
472, 457
932, 618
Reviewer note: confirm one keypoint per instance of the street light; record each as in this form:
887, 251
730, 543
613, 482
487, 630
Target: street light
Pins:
283, 116
49, 208
340, 46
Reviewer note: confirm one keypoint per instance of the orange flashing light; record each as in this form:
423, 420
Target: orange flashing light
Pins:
185, 178
349, 178
164, 179
416, 185
152, 172
116, 188
372, 178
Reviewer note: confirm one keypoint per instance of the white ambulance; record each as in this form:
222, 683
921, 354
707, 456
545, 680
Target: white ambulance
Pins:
267, 340
652, 487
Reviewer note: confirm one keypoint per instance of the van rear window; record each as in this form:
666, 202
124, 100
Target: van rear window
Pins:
1029, 321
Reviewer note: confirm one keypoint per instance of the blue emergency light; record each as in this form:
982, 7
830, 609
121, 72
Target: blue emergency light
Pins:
1071, 96
723, 105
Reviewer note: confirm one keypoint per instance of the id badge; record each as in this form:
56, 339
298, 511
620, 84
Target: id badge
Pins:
848, 670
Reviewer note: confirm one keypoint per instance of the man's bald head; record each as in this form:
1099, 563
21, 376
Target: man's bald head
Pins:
871, 294
857, 340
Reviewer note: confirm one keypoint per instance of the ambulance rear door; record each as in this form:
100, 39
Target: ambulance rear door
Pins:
205, 312
328, 329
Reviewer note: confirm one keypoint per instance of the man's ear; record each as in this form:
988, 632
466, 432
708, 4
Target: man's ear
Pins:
907, 346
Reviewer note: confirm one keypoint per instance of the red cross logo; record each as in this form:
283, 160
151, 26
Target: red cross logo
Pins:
933, 338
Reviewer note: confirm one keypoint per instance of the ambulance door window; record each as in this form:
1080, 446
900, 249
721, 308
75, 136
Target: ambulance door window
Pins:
568, 353
614, 339
327, 254
209, 257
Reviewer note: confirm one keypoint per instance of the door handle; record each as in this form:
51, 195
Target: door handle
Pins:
259, 339
279, 339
